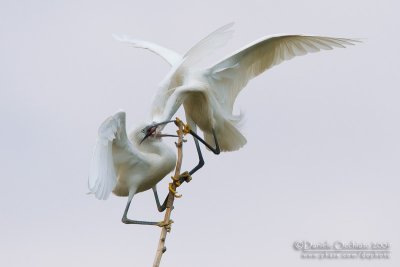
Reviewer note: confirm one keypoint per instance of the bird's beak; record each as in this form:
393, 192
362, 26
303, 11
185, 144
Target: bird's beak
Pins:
167, 135
162, 123
152, 128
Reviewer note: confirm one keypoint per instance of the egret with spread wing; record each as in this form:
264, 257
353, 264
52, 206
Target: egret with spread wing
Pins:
208, 94
129, 165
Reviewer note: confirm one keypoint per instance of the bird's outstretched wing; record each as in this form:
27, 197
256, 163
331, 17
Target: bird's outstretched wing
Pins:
230, 75
168, 55
202, 48
112, 149
208, 45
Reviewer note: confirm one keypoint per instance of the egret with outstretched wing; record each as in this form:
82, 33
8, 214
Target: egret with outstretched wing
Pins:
208, 94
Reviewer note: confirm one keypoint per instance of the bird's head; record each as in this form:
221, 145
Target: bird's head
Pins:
153, 131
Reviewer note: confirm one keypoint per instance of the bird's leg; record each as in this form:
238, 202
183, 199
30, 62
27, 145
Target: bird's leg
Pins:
201, 160
162, 207
129, 221
215, 150
187, 176
188, 130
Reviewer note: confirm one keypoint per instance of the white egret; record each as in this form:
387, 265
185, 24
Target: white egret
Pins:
127, 166
208, 94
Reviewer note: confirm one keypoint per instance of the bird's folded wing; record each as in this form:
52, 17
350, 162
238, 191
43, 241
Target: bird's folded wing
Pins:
230, 75
112, 149
168, 55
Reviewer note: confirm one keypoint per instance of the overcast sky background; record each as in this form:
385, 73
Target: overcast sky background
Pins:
323, 152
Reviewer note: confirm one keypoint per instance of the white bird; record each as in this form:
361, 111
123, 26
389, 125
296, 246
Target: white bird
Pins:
127, 166
208, 94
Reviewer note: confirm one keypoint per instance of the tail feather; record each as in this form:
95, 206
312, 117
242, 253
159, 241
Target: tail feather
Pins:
228, 136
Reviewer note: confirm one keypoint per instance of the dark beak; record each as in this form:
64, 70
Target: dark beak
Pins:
152, 128
167, 135
162, 123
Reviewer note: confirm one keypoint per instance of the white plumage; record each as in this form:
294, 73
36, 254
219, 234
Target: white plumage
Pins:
127, 166
208, 94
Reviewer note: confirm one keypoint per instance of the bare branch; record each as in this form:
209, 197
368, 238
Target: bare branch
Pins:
171, 196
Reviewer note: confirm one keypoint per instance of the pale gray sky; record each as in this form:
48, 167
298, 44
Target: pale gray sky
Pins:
323, 152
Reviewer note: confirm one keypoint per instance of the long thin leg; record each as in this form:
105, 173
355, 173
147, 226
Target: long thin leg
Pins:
193, 127
201, 160
184, 176
129, 221
162, 207
215, 150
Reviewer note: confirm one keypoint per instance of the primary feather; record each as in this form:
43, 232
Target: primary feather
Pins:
171, 57
102, 176
230, 76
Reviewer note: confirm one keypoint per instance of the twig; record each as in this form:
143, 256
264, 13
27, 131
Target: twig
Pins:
171, 196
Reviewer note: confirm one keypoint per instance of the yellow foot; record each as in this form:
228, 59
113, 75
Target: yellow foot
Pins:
173, 191
165, 224
186, 127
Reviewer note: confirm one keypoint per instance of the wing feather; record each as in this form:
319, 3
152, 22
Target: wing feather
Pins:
112, 149
170, 56
229, 76
208, 45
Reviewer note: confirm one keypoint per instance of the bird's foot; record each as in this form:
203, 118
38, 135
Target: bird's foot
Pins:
166, 224
185, 177
172, 188
186, 128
